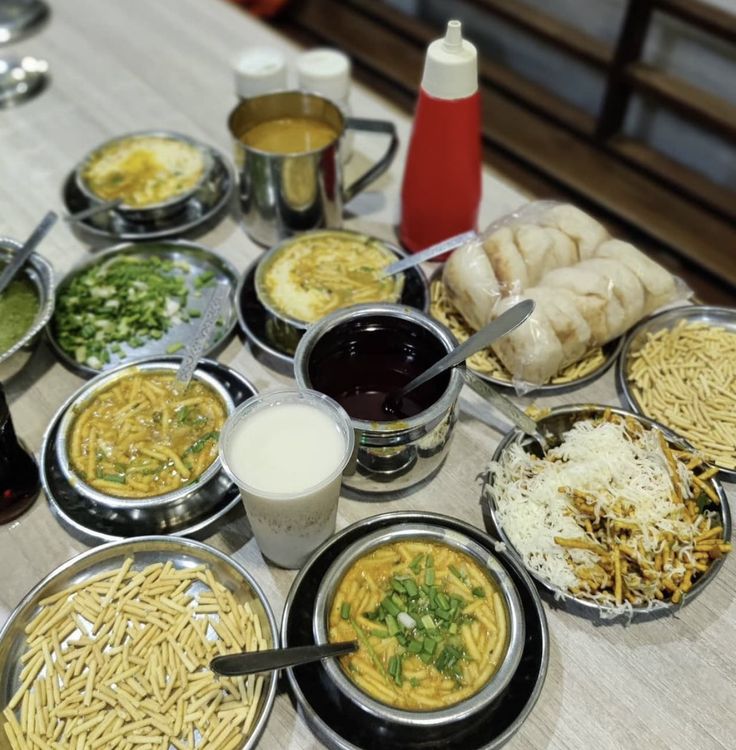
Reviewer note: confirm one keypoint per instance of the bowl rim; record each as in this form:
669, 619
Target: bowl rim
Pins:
174, 200
271, 255
68, 412
586, 607
46, 287
427, 418
497, 682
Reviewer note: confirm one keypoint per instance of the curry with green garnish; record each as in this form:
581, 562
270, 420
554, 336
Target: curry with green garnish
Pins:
144, 436
431, 623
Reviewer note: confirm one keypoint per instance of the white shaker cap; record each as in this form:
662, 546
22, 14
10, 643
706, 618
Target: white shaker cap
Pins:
324, 71
259, 70
451, 66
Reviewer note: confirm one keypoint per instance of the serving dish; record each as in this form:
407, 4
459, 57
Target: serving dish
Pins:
258, 325
157, 508
372, 341
193, 261
40, 272
341, 725
201, 210
421, 532
96, 522
559, 420
154, 210
149, 550
720, 317
611, 350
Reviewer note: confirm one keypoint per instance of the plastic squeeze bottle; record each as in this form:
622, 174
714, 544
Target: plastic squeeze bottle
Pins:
441, 190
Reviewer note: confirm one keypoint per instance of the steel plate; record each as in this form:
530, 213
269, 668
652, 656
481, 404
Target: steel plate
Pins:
200, 260
183, 553
722, 317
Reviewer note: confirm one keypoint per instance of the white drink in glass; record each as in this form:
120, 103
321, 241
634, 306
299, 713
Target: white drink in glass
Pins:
286, 451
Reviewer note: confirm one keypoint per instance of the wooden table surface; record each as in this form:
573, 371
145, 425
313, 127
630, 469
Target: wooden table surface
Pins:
118, 67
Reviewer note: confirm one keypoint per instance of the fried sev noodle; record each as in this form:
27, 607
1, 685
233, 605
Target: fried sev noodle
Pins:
485, 361
121, 660
630, 564
685, 377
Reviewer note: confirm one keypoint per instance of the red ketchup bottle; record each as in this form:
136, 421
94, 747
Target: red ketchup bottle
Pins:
441, 191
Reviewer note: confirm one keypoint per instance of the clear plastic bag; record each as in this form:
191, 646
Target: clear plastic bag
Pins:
589, 288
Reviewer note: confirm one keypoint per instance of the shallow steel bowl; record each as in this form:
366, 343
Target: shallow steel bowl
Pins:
154, 211
40, 272
515, 624
182, 553
558, 421
391, 455
161, 510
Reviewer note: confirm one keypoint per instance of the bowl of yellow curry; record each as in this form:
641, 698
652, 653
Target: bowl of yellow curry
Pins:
305, 278
25, 307
152, 173
438, 620
134, 443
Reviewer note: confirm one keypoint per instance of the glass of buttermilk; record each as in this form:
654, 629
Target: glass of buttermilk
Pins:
286, 451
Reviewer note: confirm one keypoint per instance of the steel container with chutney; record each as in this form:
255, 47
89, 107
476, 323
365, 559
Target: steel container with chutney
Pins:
361, 354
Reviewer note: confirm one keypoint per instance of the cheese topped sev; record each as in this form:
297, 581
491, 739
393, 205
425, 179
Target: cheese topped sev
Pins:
124, 658
612, 514
685, 377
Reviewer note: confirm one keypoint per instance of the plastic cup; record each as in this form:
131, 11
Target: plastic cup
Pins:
282, 454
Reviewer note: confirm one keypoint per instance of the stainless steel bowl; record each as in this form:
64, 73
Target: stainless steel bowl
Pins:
558, 421
162, 508
392, 455
718, 317
41, 273
154, 211
424, 532
182, 553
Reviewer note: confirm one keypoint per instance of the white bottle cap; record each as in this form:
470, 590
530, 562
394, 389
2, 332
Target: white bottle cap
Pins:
259, 70
324, 71
451, 66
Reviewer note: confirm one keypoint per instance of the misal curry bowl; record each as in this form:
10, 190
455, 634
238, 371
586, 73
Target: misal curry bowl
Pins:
39, 272
360, 354
154, 173
158, 510
455, 601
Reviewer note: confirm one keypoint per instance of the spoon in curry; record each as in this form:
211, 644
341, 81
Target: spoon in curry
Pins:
503, 324
231, 665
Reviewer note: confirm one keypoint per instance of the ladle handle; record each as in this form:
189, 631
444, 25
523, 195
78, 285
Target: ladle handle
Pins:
231, 665
503, 324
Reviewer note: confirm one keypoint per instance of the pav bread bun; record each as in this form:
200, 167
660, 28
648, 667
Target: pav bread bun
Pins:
471, 284
626, 286
532, 352
584, 230
657, 281
508, 263
570, 327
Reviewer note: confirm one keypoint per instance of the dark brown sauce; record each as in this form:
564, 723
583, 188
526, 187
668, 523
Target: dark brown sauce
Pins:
360, 363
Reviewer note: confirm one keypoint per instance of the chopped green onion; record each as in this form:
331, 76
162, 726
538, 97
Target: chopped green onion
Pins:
479, 591
345, 611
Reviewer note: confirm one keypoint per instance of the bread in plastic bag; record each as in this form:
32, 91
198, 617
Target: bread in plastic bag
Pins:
589, 288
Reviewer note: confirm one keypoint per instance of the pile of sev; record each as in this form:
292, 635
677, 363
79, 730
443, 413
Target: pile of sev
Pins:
121, 661
685, 377
613, 514
485, 361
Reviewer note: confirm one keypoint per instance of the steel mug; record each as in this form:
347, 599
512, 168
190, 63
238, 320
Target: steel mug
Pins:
283, 194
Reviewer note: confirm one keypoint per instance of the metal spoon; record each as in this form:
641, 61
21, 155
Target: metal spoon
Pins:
19, 259
93, 210
431, 252
232, 665
201, 340
503, 324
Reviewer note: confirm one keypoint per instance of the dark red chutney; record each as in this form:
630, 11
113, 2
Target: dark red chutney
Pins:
359, 362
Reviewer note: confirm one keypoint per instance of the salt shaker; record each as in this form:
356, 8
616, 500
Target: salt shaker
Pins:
326, 72
259, 70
